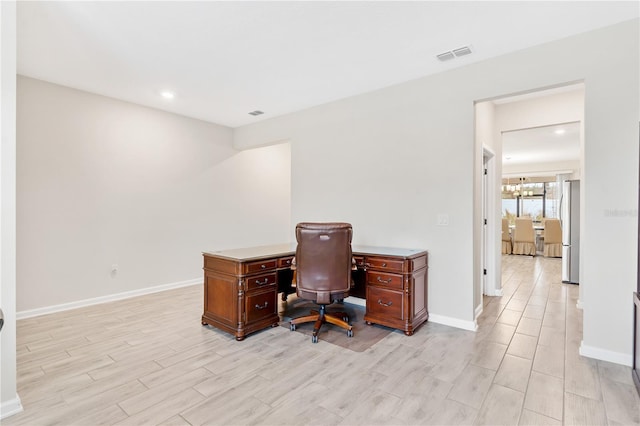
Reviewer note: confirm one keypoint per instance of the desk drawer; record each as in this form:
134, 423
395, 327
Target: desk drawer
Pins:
260, 281
285, 262
384, 264
383, 303
261, 305
384, 279
264, 265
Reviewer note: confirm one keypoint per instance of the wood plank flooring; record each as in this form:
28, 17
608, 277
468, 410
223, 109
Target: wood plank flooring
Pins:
148, 361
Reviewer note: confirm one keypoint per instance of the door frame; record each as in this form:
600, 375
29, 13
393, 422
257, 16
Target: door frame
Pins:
489, 246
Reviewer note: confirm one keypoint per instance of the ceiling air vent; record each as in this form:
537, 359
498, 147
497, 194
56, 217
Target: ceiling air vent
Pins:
256, 112
455, 53
445, 56
462, 51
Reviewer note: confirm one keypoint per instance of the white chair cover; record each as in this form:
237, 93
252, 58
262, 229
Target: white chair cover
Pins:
524, 238
552, 238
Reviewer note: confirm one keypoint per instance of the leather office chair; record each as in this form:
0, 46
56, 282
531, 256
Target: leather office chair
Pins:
552, 238
524, 237
323, 271
506, 237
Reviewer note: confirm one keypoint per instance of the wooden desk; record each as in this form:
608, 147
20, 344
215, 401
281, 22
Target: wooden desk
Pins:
241, 287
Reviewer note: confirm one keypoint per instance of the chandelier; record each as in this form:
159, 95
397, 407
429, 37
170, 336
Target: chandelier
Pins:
517, 189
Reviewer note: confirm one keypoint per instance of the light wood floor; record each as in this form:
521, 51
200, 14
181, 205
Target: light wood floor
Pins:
148, 361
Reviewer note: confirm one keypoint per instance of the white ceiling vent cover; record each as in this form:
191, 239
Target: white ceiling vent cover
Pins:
455, 53
462, 51
445, 56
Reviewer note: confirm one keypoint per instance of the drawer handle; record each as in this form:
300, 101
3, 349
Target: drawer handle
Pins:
380, 280
384, 265
263, 306
263, 266
266, 281
288, 262
384, 304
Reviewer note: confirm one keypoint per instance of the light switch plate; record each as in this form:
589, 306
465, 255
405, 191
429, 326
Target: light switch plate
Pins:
443, 219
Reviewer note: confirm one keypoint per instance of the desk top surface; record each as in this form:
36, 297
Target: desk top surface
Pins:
287, 249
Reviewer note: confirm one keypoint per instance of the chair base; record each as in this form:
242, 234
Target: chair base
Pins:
506, 247
526, 248
552, 250
341, 319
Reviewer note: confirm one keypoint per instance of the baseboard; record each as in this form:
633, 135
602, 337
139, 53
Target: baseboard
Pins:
104, 299
11, 407
453, 322
479, 310
494, 292
605, 355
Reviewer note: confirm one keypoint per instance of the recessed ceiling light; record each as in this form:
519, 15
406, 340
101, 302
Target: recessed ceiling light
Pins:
168, 95
256, 112
560, 131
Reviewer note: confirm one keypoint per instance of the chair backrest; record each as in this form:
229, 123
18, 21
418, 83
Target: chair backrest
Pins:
552, 231
323, 261
505, 230
524, 230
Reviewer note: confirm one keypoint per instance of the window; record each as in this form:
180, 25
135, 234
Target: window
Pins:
552, 200
536, 199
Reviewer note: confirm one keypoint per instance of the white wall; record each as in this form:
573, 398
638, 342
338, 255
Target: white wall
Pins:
557, 108
516, 171
390, 161
103, 182
486, 126
486, 138
376, 161
9, 400
610, 177
564, 107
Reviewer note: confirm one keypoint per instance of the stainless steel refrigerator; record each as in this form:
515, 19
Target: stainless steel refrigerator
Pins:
570, 219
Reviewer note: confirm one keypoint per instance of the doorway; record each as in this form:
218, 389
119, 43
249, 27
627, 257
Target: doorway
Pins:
515, 116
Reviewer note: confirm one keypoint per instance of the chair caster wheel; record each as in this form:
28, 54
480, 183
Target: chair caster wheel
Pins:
292, 327
349, 333
314, 339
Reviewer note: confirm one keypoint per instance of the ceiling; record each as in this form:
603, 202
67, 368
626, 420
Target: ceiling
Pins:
225, 59
548, 144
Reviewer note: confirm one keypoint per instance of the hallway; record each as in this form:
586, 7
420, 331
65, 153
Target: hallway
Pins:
538, 319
